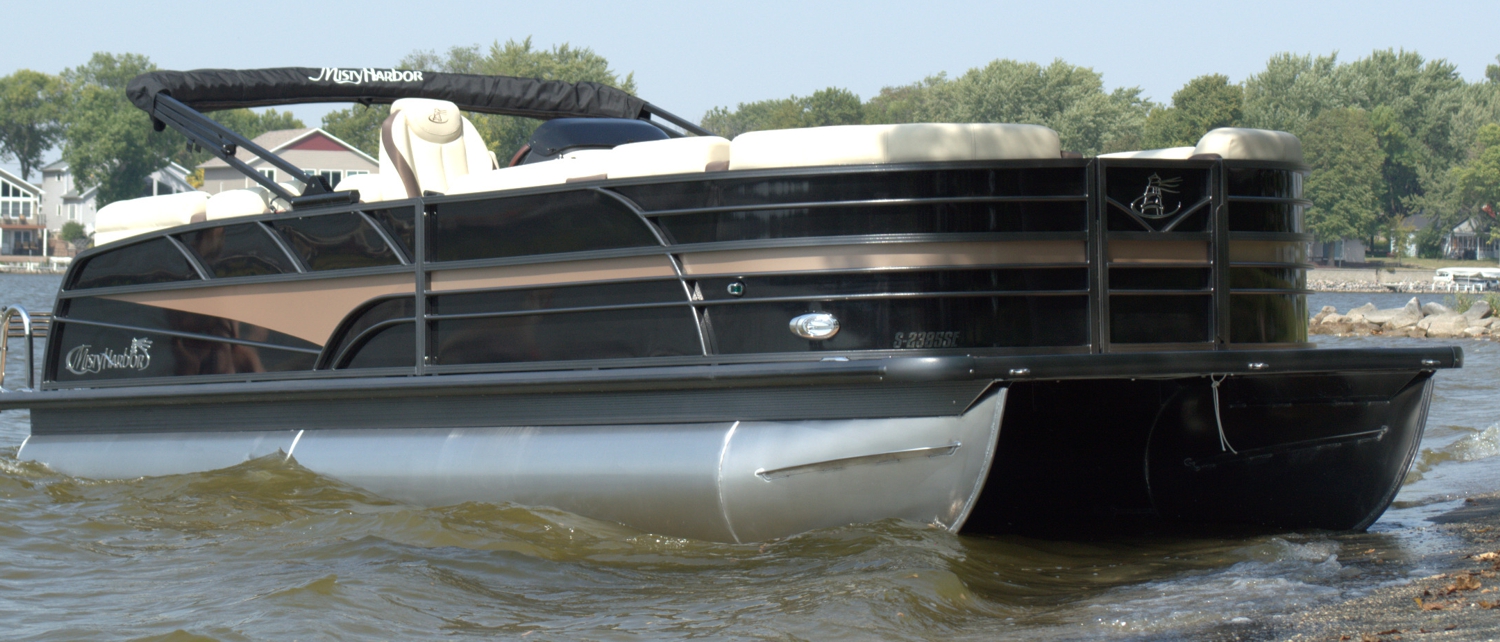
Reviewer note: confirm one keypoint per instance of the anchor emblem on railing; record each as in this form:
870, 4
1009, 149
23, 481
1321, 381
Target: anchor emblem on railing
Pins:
1149, 205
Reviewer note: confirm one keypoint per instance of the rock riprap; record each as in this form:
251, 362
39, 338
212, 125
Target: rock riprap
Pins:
1412, 320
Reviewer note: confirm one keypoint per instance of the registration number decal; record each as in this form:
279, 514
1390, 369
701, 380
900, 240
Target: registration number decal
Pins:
926, 340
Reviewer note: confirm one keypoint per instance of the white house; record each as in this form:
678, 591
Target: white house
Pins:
1468, 240
1338, 252
20, 207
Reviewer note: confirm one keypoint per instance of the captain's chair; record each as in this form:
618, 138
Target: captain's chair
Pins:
424, 144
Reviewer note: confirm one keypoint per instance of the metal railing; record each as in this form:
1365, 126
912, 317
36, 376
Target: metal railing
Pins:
20, 324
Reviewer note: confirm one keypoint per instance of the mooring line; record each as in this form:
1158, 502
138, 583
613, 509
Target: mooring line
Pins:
1223, 441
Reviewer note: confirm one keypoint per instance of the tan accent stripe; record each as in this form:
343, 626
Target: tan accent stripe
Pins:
1147, 252
882, 255
509, 276
1268, 251
308, 310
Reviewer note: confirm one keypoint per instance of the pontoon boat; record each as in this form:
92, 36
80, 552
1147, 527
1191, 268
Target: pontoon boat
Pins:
636, 320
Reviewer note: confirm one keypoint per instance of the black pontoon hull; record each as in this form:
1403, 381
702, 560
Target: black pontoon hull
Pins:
751, 452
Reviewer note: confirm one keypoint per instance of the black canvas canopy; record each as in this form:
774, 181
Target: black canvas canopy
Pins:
175, 98
214, 89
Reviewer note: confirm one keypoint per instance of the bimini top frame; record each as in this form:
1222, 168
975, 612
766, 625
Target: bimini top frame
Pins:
175, 98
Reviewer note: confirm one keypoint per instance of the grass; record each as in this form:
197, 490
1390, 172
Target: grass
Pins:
1460, 302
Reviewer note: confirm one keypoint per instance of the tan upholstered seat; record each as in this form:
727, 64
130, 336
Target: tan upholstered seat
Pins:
877, 144
123, 219
426, 143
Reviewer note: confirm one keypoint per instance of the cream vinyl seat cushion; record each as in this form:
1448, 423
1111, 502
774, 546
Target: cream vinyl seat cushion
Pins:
1239, 143
580, 165
1230, 143
123, 219
686, 155
368, 186
878, 144
1169, 153
426, 143
238, 202
250, 201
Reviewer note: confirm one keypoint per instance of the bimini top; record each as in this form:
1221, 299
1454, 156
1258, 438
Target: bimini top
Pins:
214, 89
176, 98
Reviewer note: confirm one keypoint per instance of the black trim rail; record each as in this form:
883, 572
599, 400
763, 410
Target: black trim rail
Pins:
915, 369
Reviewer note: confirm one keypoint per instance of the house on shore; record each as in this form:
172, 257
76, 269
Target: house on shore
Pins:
1337, 252
63, 200
311, 149
1470, 240
20, 211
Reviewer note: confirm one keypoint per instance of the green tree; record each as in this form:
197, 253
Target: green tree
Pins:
1399, 231
30, 118
358, 125
1292, 90
776, 113
1421, 94
1478, 104
109, 143
1205, 103
1067, 98
1441, 202
1412, 103
904, 104
1478, 181
831, 106
1345, 183
72, 231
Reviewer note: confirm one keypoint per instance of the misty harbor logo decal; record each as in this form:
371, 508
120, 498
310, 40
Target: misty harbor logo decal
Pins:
1149, 204
339, 76
84, 360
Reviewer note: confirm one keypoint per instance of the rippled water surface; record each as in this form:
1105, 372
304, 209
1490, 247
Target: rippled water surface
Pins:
267, 550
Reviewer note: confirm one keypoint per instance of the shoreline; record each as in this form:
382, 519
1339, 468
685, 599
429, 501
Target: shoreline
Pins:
1473, 319
1376, 279
1460, 602
1408, 287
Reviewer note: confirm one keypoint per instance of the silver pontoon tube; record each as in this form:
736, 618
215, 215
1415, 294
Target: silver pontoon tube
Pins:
735, 481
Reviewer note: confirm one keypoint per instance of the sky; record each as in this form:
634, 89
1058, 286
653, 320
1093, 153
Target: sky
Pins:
688, 57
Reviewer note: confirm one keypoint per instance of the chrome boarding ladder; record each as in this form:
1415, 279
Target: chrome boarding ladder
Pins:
20, 324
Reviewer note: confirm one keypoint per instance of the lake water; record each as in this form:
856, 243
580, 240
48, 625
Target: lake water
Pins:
270, 551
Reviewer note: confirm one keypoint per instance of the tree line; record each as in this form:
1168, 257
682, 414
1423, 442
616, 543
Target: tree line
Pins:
1389, 137
105, 140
